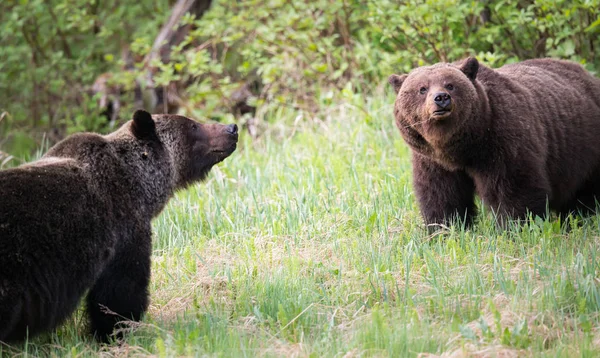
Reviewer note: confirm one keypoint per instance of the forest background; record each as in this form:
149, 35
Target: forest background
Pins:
74, 65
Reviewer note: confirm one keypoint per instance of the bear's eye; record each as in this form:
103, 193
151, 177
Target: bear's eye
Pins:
423, 90
194, 126
449, 87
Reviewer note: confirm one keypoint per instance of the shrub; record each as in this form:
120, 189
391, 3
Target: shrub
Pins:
299, 53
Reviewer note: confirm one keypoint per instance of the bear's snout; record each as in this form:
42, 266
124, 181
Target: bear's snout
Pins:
224, 138
442, 100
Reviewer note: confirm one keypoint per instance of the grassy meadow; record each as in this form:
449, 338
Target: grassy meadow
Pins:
307, 242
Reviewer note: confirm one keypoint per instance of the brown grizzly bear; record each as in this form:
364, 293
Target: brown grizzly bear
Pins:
78, 219
525, 137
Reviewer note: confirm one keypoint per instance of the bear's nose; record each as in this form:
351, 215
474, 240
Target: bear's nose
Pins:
232, 129
442, 99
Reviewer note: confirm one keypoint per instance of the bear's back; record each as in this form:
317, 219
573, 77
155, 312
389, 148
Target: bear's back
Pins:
553, 100
62, 197
550, 109
564, 81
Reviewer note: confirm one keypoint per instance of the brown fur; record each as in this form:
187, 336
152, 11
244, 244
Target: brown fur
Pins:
525, 137
79, 218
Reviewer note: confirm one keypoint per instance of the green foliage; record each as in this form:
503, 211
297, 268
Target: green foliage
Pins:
50, 54
303, 53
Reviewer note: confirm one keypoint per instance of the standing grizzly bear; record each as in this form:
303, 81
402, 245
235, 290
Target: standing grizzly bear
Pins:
524, 137
79, 218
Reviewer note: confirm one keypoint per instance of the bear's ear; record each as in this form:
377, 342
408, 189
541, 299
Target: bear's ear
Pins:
470, 67
396, 81
143, 125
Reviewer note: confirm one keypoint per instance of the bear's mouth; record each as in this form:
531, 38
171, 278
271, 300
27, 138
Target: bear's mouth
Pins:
441, 112
224, 153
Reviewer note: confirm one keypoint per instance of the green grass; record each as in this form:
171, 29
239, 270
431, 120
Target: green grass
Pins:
308, 242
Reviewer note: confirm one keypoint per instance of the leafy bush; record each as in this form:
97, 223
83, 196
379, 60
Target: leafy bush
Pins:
301, 54
301, 51
50, 53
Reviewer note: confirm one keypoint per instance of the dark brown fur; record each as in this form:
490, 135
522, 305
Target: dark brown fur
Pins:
79, 219
525, 137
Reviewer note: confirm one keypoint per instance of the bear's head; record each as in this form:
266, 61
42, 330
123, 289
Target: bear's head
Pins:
193, 148
433, 103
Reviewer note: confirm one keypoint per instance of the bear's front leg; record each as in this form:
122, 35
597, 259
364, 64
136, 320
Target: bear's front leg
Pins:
11, 307
445, 197
121, 291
